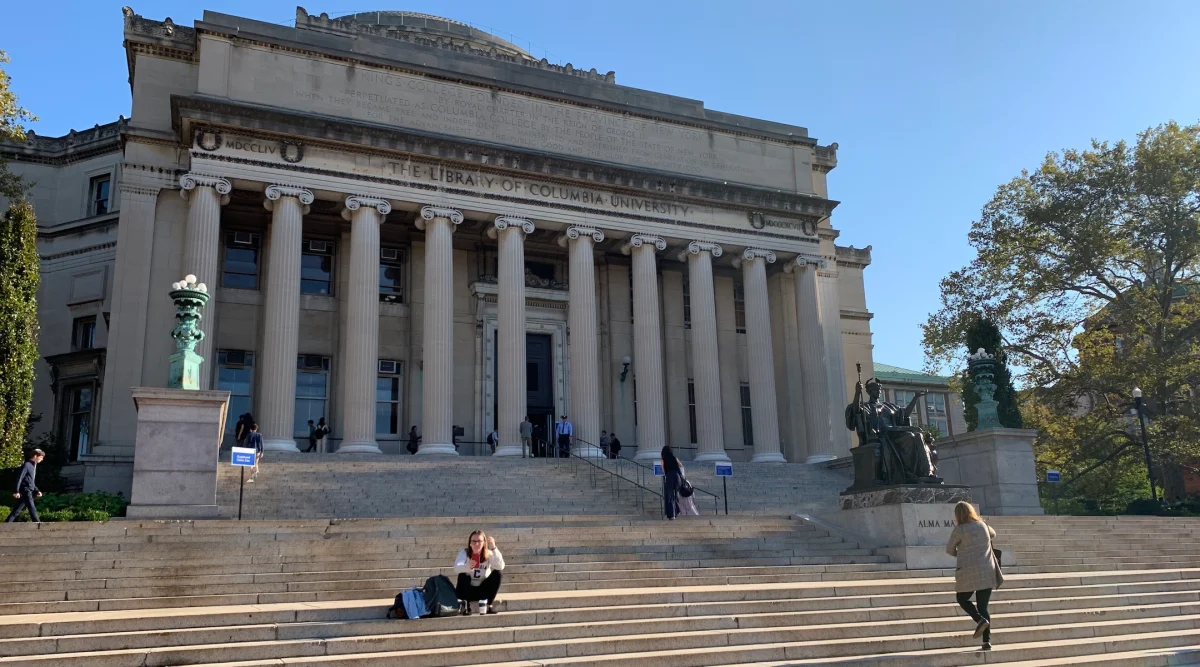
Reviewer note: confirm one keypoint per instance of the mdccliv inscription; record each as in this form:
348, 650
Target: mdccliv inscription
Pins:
451, 109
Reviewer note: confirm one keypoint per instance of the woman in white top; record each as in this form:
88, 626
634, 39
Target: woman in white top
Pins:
478, 568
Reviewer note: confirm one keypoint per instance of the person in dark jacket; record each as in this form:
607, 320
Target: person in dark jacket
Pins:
312, 437
27, 488
673, 476
254, 439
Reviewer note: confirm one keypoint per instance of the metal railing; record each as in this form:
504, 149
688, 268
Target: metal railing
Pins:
644, 469
618, 472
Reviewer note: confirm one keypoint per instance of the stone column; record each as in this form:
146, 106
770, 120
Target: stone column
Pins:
201, 251
281, 325
759, 351
584, 347
361, 365
510, 333
647, 345
706, 367
831, 326
818, 416
437, 374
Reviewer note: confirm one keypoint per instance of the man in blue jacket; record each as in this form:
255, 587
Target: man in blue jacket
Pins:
27, 488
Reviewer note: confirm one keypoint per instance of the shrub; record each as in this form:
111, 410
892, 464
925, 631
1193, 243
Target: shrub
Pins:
56, 516
97, 506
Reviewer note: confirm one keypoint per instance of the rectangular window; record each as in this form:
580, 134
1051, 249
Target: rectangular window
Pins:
543, 271
739, 307
387, 397
902, 399
98, 194
391, 275
937, 404
83, 333
78, 420
692, 411
316, 268
241, 257
747, 422
312, 391
687, 308
943, 429
235, 374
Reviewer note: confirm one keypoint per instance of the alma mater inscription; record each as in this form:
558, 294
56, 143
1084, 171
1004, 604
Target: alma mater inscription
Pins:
452, 109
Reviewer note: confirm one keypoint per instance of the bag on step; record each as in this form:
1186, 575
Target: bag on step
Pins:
440, 598
409, 604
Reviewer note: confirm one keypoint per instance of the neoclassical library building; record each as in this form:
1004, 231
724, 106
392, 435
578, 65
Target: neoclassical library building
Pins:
405, 221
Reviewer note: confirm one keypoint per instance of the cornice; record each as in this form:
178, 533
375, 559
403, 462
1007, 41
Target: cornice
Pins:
853, 257
346, 135
69, 148
79, 251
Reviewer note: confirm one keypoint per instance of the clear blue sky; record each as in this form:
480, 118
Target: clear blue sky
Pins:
933, 104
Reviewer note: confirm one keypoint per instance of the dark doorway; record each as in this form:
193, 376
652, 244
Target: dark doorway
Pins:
539, 387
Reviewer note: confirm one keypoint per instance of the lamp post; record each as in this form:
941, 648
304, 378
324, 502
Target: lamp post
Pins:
1137, 404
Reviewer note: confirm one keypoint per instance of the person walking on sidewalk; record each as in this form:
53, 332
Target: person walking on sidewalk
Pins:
977, 571
27, 488
672, 478
478, 568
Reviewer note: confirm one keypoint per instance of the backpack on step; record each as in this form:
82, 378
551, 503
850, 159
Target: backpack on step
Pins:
440, 598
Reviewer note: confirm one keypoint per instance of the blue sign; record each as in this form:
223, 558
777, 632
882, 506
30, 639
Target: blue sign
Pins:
1053, 476
658, 469
242, 456
724, 470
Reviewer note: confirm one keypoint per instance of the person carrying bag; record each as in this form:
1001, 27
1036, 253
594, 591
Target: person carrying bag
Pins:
978, 567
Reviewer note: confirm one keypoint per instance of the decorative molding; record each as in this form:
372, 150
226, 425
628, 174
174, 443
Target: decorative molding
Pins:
79, 251
454, 215
192, 180
502, 223
146, 191
751, 254
574, 233
697, 247
639, 240
276, 192
355, 202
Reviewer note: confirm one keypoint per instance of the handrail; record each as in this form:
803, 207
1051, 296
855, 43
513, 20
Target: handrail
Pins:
715, 497
614, 486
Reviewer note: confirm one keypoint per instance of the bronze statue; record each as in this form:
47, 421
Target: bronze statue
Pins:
903, 453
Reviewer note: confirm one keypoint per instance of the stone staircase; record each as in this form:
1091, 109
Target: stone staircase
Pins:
620, 591
312, 486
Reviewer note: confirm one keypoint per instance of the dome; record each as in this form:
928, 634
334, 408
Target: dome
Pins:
433, 26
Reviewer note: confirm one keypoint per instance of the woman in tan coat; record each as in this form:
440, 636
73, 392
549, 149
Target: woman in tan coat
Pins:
977, 572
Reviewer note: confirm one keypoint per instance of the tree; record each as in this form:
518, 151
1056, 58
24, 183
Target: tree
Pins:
11, 130
19, 278
984, 334
1090, 268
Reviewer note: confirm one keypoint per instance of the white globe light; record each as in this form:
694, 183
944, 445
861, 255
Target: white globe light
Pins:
176, 285
190, 279
202, 288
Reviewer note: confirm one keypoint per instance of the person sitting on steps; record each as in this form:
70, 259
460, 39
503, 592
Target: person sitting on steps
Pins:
478, 568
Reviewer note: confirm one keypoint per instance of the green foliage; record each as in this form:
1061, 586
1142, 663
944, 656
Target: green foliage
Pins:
1090, 268
19, 278
12, 115
983, 333
98, 506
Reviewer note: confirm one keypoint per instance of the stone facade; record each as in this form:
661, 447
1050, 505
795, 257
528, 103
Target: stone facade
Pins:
491, 194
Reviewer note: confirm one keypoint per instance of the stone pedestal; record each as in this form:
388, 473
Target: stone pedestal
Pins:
909, 524
175, 457
998, 465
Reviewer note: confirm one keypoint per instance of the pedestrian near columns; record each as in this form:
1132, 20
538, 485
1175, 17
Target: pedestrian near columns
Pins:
526, 437
312, 437
321, 433
977, 571
27, 488
563, 431
605, 443
672, 478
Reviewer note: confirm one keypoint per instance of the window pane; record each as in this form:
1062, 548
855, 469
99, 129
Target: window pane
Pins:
310, 384
389, 279
387, 388
316, 273
387, 418
307, 409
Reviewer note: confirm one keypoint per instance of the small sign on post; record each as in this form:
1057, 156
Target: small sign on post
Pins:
658, 469
1053, 476
242, 457
724, 470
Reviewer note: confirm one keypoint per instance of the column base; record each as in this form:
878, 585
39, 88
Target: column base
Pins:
768, 457
647, 454
712, 456
280, 445
589, 452
437, 448
819, 458
508, 450
359, 447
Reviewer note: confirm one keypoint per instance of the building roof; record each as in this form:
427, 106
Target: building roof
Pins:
887, 372
428, 24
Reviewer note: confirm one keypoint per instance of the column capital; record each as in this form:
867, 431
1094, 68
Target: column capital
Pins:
577, 232
278, 191
804, 261
502, 223
191, 180
639, 240
355, 202
454, 215
751, 254
697, 247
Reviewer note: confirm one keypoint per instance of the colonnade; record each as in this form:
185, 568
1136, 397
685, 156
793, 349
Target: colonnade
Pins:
289, 203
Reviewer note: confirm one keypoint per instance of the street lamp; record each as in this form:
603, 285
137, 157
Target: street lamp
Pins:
625, 361
1137, 404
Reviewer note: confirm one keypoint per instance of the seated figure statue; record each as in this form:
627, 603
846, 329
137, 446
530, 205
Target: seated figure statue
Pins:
903, 452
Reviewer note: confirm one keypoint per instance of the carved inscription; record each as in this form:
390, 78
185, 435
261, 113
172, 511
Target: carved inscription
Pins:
415, 102
935, 523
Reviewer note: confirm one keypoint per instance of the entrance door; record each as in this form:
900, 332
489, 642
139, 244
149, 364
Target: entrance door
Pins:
539, 387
